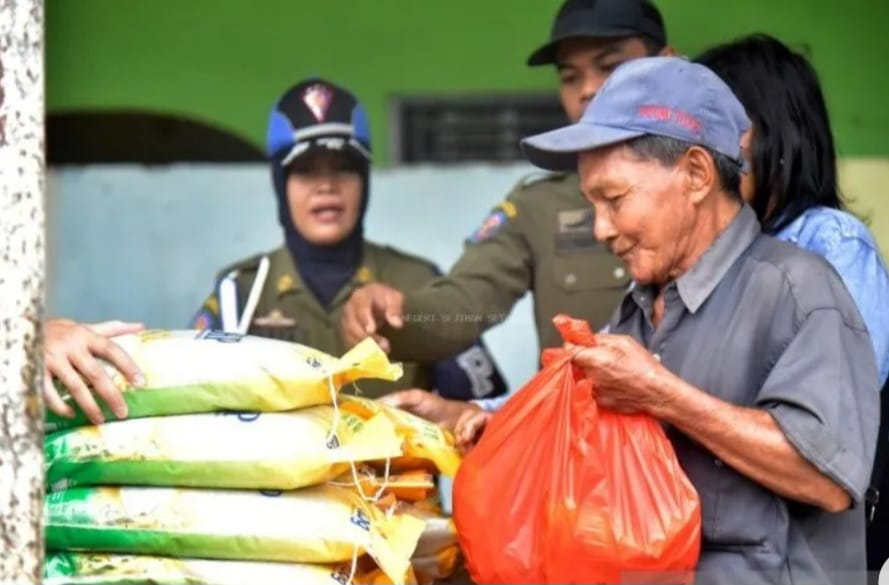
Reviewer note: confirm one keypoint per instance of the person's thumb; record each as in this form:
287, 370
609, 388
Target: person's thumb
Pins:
115, 328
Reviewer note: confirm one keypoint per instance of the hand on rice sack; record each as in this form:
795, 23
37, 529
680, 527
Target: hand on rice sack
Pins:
72, 354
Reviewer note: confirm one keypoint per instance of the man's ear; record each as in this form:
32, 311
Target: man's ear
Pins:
668, 51
747, 142
701, 177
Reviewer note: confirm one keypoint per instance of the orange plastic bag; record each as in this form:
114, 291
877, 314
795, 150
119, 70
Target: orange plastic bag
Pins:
560, 491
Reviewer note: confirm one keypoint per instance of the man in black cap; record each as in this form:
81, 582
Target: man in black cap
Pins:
539, 239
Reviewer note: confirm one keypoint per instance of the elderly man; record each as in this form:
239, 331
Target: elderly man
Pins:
748, 349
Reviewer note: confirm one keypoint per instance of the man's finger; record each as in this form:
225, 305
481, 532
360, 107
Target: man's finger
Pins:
403, 399
101, 383
115, 328
117, 357
469, 426
365, 313
612, 340
394, 309
52, 399
589, 357
78, 390
383, 343
468, 434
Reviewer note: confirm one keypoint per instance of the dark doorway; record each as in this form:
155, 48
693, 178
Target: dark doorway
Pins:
133, 136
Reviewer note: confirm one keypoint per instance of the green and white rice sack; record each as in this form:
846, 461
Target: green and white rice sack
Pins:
190, 372
112, 569
283, 451
324, 524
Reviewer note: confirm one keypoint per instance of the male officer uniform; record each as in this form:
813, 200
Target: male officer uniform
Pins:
270, 295
539, 239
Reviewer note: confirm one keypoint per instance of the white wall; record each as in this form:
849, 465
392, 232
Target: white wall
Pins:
144, 243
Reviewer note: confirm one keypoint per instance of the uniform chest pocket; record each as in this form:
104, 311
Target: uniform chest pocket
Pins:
291, 333
589, 267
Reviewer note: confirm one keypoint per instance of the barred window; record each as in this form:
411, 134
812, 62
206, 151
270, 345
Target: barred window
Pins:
469, 128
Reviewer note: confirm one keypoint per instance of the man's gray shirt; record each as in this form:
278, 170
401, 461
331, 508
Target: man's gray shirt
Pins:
764, 324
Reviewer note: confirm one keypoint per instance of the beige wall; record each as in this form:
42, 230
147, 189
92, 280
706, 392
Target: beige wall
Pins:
865, 184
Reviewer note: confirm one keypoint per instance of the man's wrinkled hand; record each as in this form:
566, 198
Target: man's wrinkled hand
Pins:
71, 355
429, 406
470, 426
369, 309
626, 377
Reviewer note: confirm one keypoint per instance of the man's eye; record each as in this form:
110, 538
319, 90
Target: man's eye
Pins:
567, 79
615, 202
609, 67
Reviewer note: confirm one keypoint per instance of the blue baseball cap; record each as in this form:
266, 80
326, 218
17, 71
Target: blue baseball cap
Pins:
316, 113
659, 96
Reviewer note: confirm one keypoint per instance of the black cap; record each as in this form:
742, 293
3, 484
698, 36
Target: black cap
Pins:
601, 19
317, 113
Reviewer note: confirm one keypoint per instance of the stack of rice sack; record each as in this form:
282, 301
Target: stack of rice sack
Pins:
408, 486
231, 468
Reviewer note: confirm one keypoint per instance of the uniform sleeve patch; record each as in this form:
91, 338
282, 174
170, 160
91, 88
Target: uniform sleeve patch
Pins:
203, 320
492, 224
509, 208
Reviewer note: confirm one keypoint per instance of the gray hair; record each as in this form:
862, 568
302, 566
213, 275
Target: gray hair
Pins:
668, 151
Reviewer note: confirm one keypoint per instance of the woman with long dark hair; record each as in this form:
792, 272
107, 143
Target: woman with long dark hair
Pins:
792, 180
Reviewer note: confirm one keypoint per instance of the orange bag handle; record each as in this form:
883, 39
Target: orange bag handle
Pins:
575, 331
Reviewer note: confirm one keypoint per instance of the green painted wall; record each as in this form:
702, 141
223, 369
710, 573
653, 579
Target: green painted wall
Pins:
225, 61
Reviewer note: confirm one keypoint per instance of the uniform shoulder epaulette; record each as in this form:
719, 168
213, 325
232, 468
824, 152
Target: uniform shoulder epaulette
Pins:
540, 177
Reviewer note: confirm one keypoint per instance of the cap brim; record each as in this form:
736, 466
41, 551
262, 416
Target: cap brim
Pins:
557, 150
546, 55
349, 146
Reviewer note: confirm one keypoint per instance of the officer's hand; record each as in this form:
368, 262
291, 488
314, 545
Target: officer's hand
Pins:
432, 407
369, 309
71, 352
470, 426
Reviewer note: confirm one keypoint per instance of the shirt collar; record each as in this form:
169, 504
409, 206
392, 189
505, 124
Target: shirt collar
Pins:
696, 285
284, 276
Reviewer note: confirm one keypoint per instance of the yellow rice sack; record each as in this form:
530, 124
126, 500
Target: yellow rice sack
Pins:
190, 372
113, 569
324, 524
284, 451
437, 555
439, 533
426, 445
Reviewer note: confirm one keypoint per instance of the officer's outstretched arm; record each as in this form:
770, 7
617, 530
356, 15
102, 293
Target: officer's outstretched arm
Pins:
449, 314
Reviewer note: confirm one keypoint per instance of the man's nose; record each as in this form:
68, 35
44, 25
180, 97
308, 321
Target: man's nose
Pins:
591, 84
603, 227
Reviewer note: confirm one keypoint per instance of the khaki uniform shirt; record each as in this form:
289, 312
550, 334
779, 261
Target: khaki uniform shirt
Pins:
539, 240
288, 310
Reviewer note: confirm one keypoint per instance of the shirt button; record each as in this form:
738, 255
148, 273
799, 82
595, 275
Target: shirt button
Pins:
570, 279
619, 272
718, 462
657, 356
